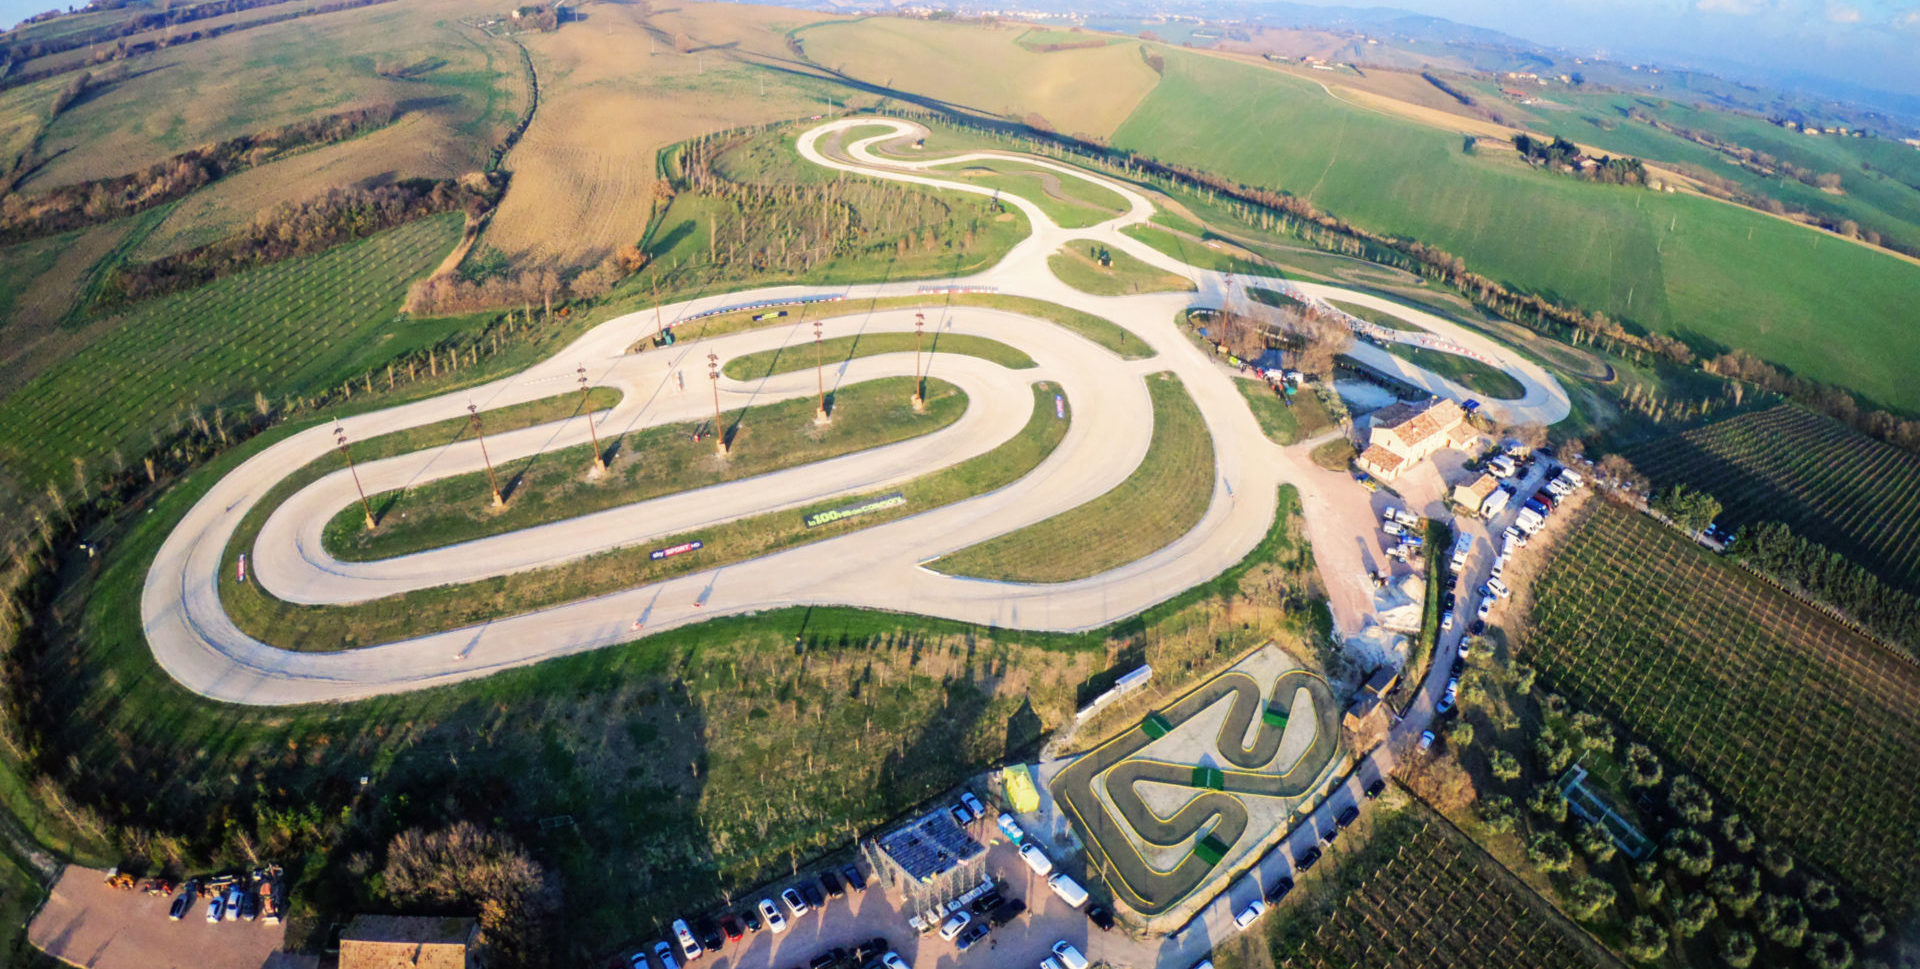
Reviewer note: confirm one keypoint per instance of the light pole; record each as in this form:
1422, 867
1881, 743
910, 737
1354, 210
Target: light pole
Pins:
659, 328
919, 324
719, 432
340, 437
820, 415
599, 463
473, 416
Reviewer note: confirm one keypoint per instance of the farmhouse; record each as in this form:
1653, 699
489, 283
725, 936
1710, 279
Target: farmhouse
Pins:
408, 942
1405, 434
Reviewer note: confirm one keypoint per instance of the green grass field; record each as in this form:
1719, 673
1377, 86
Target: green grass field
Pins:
1700, 269
1070, 202
1465, 371
1125, 276
285, 327
1283, 424
552, 486
1197, 253
1377, 317
832, 353
1160, 501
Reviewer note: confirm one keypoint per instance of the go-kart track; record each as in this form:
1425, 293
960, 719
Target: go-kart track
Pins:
880, 567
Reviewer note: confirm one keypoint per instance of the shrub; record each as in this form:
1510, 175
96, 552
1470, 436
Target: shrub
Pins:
1646, 940
1870, 927
1738, 833
1776, 860
1594, 732
1504, 765
1739, 949
1595, 842
1498, 813
1690, 801
1689, 850
1737, 886
1643, 768
1827, 950
1547, 801
1783, 920
1820, 895
1691, 913
1589, 898
1549, 852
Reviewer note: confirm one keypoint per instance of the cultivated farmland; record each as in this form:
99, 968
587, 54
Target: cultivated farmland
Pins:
1420, 894
1806, 727
1840, 488
282, 327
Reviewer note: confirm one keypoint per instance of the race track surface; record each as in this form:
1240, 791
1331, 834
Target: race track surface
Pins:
879, 567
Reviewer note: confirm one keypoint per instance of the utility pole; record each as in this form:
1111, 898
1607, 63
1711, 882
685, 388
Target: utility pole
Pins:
473, 417
599, 462
340, 437
719, 432
820, 415
659, 329
919, 324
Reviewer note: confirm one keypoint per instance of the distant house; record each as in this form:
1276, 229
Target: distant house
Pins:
408, 942
1404, 434
1482, 495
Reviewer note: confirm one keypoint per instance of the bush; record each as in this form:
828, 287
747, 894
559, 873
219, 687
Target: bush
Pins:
1870, 927
1504, 766
1776, 861
1689, 850
1827, 950
1739, 949
1691, 913
1548, 802
1646, 940
1461, 735
1820, 895
1595, 842
1737, 886
1593, 732
1499, 814
1589, 898
1643, 768
1783, 920
1549, 852
1738, 833
1690, 801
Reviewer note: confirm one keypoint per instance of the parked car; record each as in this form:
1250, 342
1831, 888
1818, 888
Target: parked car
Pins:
771, 914
815, 897
796, 904
892, 960
973, 804
1307, 860
829, 959
639, 960
1444, 707
1279, 891
1447, 601
1348, 816
1459, 667
710, 935
1375, 789
1485, 609
973, 934
232, 905
663, 954
1036, 859
216, 908
1393, 528
1246, 916
1101, 917
855, 881
1426, 740
954, 925
1006, 913
832, 883
1446, 619
1461, 652
1479, 628
960, 815
683, 934
1498, 588
987, 903
1069, 956
249, 906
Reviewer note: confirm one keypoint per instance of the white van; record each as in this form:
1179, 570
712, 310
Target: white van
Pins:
1406, 518
1068, 889
1068, 955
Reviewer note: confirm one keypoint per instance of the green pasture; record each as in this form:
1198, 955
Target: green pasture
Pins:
801, 355
1478, 377
1072, 203
1283, 424
1124, 276
1713, 273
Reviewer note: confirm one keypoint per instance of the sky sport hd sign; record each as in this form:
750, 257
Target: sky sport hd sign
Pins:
680, 549
871, 505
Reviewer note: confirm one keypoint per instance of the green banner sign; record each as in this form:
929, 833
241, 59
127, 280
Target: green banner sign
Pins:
869, 506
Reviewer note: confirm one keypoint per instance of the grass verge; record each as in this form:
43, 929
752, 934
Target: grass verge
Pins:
663, 460
1334, 455
839, 350
1124, 276
1160, 501
1283, 424
1478, 377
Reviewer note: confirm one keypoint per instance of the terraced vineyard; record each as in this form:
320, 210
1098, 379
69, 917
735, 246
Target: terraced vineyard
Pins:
279, 328
1838, 487
1408, 911
1807, 728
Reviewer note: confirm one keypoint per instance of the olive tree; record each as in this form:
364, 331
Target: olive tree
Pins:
1595, 842
1549, 852
1589, 898
1690, 801
1547, 801
1646, 940
1783, 920
1736, 886
1827, 950
1689, 850
1692, 913
1739, 949
1504, 765
1643, 768
1738, 833
1821, 896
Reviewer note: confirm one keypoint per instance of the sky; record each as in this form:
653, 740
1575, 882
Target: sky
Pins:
1872, 44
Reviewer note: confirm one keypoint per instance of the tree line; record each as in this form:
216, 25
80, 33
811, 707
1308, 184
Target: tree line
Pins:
120, 49
1815, 572
68, 207
1564, 156
293, 229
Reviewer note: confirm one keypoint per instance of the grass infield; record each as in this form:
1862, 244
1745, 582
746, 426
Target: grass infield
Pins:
1125, 277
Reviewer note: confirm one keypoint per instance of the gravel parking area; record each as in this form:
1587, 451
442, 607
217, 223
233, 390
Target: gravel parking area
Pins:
89, 924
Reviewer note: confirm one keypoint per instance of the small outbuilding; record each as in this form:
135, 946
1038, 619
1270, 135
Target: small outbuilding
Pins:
409, 942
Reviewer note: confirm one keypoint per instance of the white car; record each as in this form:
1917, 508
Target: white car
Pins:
1498, 588
954, 923
973, 804
1462, 651
1036, 859
1426, 739
1446, 620
892, 960
1393, 528
688, 944
796, 906
1069, 956
1486, 607
770, 914
215, 909
1254, 910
